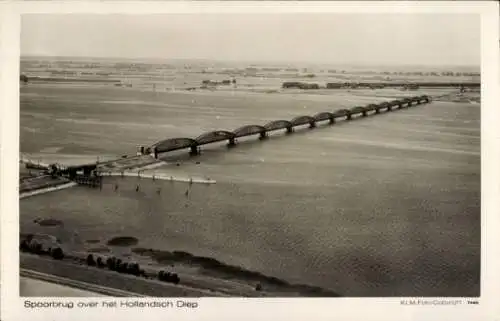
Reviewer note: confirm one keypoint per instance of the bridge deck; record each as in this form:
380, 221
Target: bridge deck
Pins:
249, 130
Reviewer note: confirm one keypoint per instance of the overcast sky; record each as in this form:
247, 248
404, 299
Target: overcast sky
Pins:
414, 39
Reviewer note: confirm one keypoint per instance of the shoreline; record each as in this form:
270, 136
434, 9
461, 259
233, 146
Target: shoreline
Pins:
203, 274
209, 266
46, 190
78, 275
153, 177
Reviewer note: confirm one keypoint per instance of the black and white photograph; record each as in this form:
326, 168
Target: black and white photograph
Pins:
236, 155
250, 155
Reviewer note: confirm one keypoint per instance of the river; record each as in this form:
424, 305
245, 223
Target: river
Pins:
387, 205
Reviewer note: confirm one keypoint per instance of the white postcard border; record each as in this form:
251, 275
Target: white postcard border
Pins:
253, 309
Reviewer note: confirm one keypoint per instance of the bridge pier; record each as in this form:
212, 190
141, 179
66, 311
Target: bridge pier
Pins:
377, 111
194, 151
331, 121
289, 130
348, 117
364, 113
232, 142
312, 124
262, 135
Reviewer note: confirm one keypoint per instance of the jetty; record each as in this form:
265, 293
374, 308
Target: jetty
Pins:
160, 176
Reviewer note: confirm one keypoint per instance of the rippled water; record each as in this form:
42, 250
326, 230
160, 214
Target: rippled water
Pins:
382, 206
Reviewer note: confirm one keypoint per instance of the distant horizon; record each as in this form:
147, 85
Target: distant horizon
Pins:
266, 62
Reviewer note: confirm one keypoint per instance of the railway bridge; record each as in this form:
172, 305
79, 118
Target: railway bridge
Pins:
81, 173
262, 131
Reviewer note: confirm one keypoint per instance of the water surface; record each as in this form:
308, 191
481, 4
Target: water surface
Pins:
383, 206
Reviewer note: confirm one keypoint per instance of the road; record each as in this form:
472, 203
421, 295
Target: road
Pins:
35, 287
88, 288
